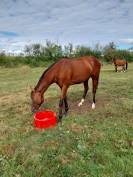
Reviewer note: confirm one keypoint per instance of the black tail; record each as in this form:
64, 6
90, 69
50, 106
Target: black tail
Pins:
126, 65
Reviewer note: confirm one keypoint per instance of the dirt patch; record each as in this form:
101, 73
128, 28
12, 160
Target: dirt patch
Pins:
101, 101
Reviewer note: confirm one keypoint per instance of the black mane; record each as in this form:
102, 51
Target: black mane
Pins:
42, 76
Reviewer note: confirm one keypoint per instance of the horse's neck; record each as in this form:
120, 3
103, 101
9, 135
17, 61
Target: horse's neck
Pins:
114, 60
44, 83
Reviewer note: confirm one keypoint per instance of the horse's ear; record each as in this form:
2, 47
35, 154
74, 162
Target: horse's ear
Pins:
32, 89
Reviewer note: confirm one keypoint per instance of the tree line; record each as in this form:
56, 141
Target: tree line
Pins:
39, 55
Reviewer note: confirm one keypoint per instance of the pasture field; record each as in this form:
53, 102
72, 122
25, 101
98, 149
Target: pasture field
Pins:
89, 143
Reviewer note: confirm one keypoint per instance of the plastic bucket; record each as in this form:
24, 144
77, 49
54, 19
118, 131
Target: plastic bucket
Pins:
44, 119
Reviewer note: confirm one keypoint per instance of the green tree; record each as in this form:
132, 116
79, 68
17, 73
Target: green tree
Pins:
98, 47
83, 50
36, 49
52, 51
68, 50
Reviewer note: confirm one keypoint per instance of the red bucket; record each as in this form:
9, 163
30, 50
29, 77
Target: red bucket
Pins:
44, 119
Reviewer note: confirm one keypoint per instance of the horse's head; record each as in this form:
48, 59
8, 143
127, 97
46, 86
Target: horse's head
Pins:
37, 100
113, 59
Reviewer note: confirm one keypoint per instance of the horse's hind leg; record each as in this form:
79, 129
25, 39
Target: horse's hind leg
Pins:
95, 85
124, 69
85, 93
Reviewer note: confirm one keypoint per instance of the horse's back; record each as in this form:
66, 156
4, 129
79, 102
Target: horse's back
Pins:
77, 70
120, 62
93, 61
90, 63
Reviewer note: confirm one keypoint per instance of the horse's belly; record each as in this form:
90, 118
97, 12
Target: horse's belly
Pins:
79, 79
73, 75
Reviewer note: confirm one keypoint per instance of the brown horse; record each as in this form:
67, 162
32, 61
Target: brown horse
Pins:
64, 73
119, 62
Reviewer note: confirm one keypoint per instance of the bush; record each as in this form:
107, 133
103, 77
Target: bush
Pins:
10, 61
122, 54
83, 50
38, 55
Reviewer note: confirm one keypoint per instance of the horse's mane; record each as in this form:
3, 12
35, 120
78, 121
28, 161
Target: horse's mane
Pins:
114, 58
42, 76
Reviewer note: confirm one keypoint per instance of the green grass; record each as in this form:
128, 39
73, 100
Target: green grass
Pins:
95, 143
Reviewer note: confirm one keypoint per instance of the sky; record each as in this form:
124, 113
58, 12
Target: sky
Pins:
81, 22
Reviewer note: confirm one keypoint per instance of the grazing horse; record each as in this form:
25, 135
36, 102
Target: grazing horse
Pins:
64, 73
120, 62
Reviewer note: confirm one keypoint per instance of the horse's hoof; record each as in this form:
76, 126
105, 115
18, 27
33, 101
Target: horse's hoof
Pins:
65, 114
59, 120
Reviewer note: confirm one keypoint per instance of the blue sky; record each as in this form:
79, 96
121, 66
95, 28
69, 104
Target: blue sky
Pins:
84, 22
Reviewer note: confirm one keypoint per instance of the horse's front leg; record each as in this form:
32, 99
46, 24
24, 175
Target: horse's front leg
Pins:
85, 93
66, 105
63, 95
115, 68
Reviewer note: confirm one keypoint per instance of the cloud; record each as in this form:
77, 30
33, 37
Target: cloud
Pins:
77, 21
127, 41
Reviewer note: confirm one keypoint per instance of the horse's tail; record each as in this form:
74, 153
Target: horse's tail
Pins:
126, 65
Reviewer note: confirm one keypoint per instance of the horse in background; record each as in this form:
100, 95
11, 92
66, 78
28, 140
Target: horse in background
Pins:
64, 73
120, 62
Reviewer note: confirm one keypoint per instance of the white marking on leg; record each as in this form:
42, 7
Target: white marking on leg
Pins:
81, 102
93, 105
